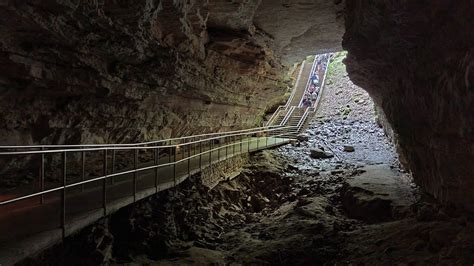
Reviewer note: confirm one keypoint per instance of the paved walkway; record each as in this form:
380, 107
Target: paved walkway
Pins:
302, 83
27, 227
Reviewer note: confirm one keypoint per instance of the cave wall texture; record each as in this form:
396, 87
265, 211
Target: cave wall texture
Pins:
126, 71
416, 59
133, 70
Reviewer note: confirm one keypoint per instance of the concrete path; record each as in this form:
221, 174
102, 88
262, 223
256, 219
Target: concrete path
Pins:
301, 85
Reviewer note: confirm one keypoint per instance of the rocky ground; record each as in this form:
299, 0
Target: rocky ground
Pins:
339, 196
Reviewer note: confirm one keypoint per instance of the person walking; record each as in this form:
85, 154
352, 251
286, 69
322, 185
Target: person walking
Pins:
315, 79
307, 102
313, 98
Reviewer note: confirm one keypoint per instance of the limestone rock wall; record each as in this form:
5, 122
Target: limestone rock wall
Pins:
126, 71
416, 59
302, 28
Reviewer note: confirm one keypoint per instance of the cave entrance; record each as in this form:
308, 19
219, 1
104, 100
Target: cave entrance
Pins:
346, 119
345, 142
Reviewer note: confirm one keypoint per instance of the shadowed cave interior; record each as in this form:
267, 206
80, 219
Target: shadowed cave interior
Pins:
375, 168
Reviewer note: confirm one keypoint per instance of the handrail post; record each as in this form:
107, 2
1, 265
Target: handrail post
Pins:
210, 152
135, 174
200, 155
83, 169
266, 140
233, 146
112, 181
157, 162
219, 151
248, 143
169, 153
226, 147
63, 196
174, 166
241, 142
42, 176
189, 160
104, 185
258, 141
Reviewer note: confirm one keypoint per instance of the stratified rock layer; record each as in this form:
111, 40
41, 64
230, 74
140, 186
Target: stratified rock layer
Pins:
416, 59
301, 28
124, 72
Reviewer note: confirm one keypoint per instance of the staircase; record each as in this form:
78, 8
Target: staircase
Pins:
302, 83
280, 116
294, 120
293, 114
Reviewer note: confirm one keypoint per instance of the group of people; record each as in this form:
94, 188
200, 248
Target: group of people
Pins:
312, 91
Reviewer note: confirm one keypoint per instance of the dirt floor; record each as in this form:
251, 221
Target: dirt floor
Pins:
339, 196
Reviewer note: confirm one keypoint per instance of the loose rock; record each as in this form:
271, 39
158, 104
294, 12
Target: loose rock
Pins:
320, 154
302, 137
348, 148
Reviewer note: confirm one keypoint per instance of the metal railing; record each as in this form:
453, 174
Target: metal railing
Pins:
285, 107
296, 85
323, 82
304, 117
212, 149
287, 116
308, 82
275, 115
308, 111
313, 109
170, 140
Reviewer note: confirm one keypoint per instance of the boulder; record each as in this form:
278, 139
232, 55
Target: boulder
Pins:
366, 205
376, 195
302, 137
348, 148
320, 154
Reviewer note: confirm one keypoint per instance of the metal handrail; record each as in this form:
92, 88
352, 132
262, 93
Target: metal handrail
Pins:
287, 116
5, 202
309, 81
296, 85
130, 144
315, 105
323, 82
304, 117
65, 186
118, 147
274, 115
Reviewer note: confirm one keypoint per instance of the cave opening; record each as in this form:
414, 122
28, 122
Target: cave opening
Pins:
199, 132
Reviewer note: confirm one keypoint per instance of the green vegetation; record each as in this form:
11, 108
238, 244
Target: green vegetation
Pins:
345, 111
336, 66
310, 58
259, 120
